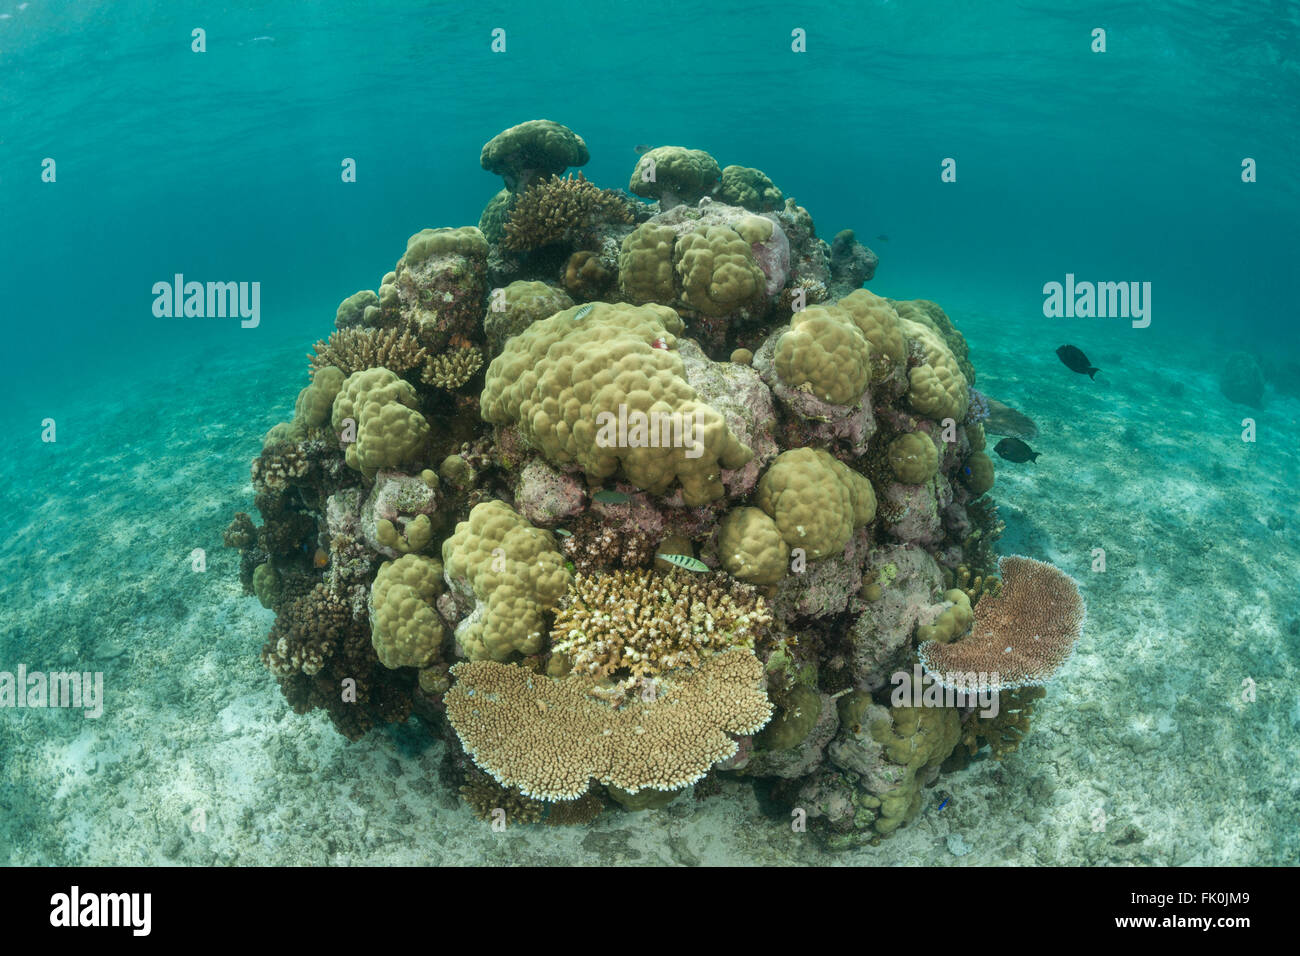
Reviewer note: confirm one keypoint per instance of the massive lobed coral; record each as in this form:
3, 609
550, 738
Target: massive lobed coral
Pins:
559, 379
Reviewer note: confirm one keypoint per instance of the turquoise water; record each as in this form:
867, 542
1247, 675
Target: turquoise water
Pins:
225, 165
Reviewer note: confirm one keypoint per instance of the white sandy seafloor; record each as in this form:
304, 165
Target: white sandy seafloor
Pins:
1144, 751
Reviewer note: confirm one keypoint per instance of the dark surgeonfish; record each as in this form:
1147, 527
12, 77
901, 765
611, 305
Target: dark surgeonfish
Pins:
1076, 361
1005, 420
642, 148
1013, 449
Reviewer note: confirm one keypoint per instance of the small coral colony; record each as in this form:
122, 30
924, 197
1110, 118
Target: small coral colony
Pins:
625, 493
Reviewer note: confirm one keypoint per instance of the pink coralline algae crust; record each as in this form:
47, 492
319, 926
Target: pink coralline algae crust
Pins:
913, 513
546, 496
738, 393
1024, 633
773, 257
824, 587
911, 594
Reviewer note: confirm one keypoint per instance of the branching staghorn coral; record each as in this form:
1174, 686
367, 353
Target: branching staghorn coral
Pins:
451, 370
647, 622
560, 209
356, 349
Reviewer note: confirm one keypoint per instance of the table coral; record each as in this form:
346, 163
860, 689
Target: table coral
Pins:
583, 653
549, 737
1022, 635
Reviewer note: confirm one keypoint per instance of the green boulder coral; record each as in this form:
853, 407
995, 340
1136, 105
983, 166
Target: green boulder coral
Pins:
406, 630
390, 431
674, 175
748, 187
514, 573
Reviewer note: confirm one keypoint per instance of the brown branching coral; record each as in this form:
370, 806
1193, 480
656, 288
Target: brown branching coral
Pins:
814, 291
357, 349
594, 546
572, 813
644, 623
485, 796
549, 737
451, 370
978, 550
240, 533
1021, 636
306, 633
279, 465
561, 209
322, 655
1004, 732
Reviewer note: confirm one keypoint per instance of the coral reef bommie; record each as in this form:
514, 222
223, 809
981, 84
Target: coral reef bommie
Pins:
714, 487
